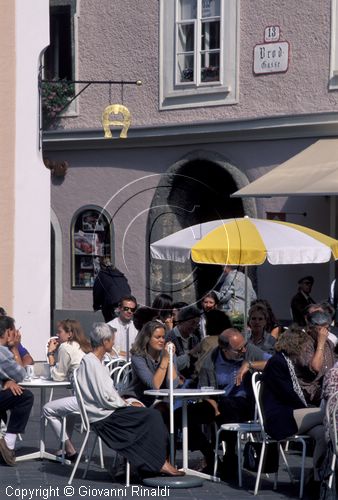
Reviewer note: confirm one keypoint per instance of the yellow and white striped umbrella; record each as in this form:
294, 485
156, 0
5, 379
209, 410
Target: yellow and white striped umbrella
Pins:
246, 242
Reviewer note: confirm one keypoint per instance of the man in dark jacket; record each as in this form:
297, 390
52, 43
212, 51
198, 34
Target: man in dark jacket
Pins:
184, 339
109, 286
302, 299
227, 367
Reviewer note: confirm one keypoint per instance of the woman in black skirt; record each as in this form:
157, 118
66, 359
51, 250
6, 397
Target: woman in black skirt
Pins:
136, 432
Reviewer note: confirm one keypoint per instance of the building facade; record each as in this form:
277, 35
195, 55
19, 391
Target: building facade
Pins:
229, 90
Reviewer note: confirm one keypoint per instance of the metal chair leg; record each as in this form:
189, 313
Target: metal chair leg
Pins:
239, 459
127, 474
78, 458
101, 453
216, 452
90, 456
333, 466
260, 466
63, 440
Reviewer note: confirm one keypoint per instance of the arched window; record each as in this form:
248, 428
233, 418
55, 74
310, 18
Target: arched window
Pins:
91, 239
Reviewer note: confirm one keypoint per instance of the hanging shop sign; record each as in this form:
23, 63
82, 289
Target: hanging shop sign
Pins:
116, 109
273, 55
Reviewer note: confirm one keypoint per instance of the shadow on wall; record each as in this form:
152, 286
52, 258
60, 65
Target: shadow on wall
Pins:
196, 189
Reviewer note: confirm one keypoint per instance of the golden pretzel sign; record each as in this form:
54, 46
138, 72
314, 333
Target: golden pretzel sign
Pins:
116, 109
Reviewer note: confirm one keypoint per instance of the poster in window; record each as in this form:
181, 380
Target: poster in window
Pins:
86, 244
91, 221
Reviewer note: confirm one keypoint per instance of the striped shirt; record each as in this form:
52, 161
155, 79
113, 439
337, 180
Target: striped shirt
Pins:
9, 369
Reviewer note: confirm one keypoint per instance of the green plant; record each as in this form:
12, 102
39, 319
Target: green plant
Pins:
55, 98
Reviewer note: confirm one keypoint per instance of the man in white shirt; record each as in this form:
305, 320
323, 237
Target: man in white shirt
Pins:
125, 329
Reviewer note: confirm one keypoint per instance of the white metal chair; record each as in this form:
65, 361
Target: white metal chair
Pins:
63, 440
331, 419
266, 439
87, 429
244, 431
123, 376
114, 363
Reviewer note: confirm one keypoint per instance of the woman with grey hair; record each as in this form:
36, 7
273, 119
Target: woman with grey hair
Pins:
136, 432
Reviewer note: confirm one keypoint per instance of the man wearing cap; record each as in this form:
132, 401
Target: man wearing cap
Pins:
184, 338
302, 299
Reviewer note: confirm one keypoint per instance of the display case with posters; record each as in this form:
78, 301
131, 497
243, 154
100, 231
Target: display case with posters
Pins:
91, 239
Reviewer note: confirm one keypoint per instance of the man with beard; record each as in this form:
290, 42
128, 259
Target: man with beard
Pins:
227, 367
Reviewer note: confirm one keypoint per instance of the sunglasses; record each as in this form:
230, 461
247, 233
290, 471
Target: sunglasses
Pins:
240, 350
131, 309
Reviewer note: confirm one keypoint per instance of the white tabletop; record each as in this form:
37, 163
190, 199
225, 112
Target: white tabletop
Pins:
43, 382
184, 393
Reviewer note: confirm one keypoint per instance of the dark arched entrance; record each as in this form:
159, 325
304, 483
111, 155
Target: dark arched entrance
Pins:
196, 189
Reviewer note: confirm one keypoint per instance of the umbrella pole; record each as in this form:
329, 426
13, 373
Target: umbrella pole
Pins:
245, 296
171, 405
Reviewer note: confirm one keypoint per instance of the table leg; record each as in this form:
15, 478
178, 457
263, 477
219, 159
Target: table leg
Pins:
42, 453
185, 447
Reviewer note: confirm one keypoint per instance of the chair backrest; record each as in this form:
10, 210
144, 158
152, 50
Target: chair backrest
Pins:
123, 376
256, 387
80, 402
116, 362
331, 419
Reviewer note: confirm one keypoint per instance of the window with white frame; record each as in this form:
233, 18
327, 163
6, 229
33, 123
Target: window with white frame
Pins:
199, 52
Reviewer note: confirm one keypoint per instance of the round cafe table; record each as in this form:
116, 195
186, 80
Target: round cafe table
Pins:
187, 395
43, 384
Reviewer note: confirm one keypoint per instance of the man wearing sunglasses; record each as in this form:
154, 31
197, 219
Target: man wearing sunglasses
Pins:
226, 368
125, 329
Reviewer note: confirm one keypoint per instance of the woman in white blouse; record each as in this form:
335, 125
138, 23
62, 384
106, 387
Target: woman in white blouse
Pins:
68, 348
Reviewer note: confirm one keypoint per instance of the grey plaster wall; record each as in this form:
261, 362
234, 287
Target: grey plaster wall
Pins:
125, 183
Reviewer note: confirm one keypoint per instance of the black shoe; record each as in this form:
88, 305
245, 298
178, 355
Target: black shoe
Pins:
71, 458
209, 468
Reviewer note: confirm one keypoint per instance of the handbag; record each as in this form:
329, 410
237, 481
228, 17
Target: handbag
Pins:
252, 453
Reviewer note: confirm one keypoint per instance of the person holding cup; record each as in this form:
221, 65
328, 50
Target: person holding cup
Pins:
69, 347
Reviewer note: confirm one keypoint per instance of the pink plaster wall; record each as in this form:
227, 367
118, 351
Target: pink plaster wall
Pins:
120, 40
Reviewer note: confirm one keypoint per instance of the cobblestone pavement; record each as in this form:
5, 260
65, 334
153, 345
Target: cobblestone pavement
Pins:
35, 479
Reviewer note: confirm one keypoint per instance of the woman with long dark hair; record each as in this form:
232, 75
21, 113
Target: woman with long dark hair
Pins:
150, 362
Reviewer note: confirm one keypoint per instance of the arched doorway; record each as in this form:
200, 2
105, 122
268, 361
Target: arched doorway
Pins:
196, 189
